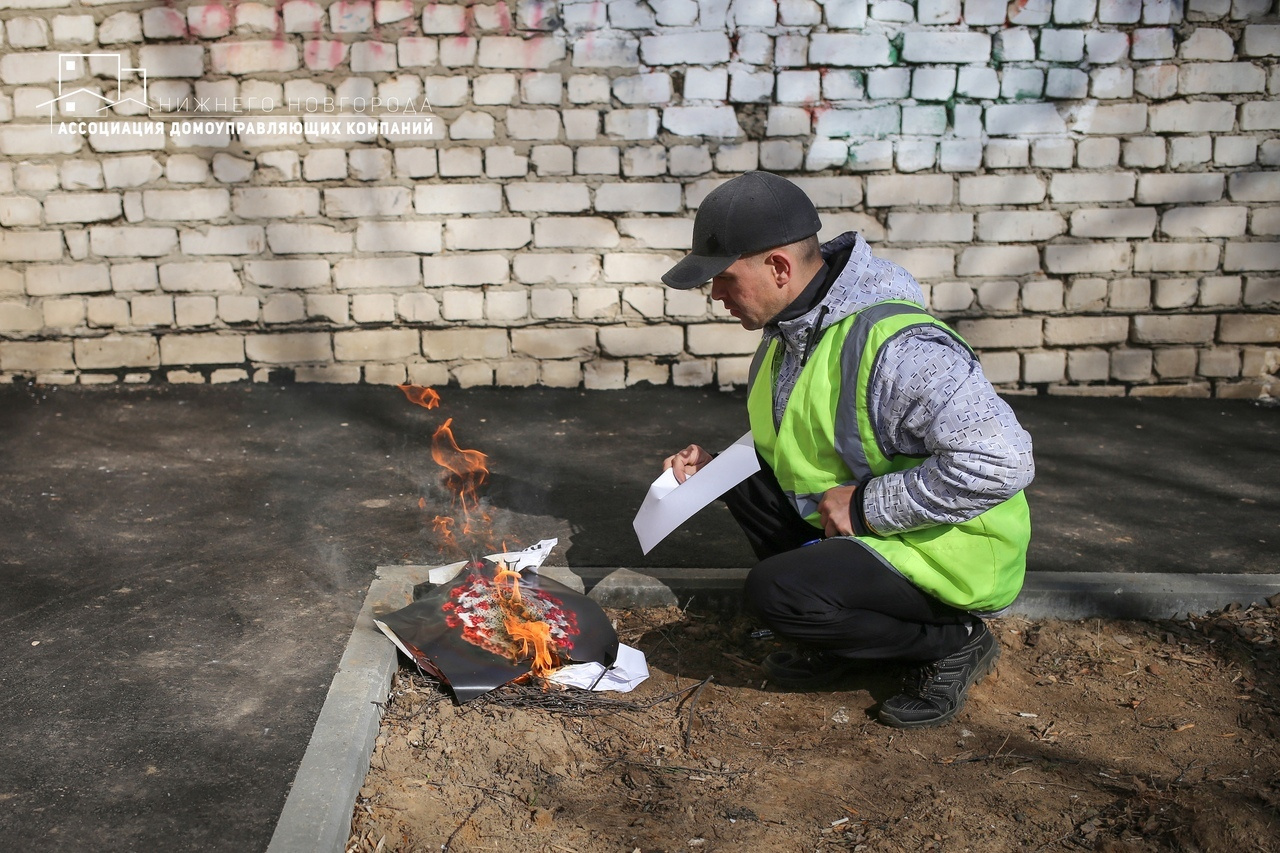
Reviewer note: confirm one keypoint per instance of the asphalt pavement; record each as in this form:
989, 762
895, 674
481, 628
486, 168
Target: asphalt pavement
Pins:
183, 564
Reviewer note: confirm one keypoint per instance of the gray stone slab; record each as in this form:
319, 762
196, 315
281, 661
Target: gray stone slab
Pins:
317, 813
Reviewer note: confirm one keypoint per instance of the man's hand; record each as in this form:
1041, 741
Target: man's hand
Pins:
834, 510
687, 462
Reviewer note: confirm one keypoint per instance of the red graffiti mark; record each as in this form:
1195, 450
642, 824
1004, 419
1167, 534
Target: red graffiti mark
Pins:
214, 19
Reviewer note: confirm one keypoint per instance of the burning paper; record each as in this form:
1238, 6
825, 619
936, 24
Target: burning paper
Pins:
492, 625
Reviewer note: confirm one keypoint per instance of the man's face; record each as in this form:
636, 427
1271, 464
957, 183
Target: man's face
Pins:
750, 290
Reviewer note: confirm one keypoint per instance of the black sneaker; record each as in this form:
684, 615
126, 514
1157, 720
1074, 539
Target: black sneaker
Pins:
809, 670
936, 692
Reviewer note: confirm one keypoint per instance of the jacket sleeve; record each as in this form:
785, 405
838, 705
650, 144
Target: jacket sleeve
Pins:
928, 397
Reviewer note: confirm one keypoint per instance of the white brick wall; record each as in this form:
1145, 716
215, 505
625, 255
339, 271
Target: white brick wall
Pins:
1077, 183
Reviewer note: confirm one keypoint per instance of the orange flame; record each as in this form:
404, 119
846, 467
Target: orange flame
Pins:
532, 635
422, 395
466, 472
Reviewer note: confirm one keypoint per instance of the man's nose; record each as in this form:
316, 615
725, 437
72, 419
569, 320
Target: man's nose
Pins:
717, 290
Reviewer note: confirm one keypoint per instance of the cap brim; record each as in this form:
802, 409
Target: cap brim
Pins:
696, 270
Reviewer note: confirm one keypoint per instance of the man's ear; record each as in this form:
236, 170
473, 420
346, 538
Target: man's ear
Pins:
782, 266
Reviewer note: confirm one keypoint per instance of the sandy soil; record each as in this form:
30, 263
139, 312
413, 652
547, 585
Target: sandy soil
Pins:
1094, 735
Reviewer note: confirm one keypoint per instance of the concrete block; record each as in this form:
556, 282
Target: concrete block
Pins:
300, 275
1221, 78
574, 232
1220, 290
27, 357
710, 46
546, 343
1024, 120
593, 51
186, 205
950, 296
1042, 367
1243, 186
1131, 365
1174, 329
1260, 115
621, 341
289, 348
924, 264
957, 47
635, 267
597, 303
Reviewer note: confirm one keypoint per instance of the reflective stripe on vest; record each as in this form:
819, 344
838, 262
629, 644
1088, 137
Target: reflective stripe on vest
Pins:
826, 438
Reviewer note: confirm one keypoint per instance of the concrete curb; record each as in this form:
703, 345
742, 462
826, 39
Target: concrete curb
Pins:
317, 813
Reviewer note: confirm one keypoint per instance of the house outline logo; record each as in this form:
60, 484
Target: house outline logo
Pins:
72, 67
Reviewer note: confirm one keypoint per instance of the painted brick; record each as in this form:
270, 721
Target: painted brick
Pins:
52, 280
1110, 119
924, 264
1097, 257
303, 275
1170, 189
1085, 331
224, 240
376, 344
125, 241
186, 205
1112, 222
1221, 78
1249, 328
1260, 115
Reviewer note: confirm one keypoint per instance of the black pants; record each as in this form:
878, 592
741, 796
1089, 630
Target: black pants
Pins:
835, 594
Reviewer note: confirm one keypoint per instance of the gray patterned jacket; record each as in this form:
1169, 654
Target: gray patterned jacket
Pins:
928, 397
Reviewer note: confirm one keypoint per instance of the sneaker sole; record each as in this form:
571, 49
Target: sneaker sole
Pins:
981, 671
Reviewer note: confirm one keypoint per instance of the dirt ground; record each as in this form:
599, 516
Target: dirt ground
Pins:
1096, 735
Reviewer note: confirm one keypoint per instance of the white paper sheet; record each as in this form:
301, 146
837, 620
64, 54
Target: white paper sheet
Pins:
530, 558
670, 504
627, 671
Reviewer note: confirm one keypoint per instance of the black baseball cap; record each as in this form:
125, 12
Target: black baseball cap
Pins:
751, 213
